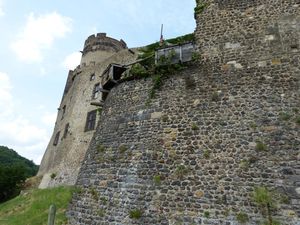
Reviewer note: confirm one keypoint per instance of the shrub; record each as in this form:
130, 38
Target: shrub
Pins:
260, 146
157, 179
181, 171
253, 125
298, 120
215, 97
284, 116
206, 214
266, 202
53, 175
206, 153
101, 148
138, 70
103, 200
244, 164
164, 118
242, 217
199, 7
123, 148
94, 194
195, 127
135, 214
101, 212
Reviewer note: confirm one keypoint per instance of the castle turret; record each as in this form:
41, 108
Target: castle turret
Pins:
77, 118
100, 47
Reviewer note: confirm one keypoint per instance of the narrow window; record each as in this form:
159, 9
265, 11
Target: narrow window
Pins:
66, 130
55, 142
96, 90
63, 112
90, 120
92, 77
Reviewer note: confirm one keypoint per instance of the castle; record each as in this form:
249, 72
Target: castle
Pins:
77, 118
214, 132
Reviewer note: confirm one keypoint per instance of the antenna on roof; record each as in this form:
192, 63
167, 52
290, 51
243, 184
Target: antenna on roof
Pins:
161, 40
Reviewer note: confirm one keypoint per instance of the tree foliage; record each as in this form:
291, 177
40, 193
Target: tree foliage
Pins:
14, 169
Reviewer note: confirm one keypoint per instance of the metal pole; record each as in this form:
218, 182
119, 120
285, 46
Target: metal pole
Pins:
161, 35
51, 216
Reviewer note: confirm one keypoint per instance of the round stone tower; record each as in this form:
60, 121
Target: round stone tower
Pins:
100, 47
77, 118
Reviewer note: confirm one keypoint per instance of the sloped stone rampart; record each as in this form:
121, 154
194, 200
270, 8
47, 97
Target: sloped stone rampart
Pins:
192, 151
213, 133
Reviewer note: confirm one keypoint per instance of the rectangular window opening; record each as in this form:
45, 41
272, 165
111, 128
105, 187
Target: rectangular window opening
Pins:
96, 91
56, 139
63, 111
66, 130
91, 120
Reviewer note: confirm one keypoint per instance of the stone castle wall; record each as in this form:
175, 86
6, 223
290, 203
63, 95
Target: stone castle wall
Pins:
197, 144
213, 132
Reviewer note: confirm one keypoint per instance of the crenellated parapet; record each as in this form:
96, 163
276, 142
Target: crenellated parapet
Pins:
103, 43
99, 47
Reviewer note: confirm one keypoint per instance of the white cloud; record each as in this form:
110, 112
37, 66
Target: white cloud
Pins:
49, 118
1, 8
6, 102
72, 61
17, 132
39, 34
21, 131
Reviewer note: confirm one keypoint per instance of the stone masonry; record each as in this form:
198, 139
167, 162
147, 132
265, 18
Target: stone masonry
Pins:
213, 132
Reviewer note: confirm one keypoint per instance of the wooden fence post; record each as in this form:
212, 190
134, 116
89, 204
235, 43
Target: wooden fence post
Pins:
51, 216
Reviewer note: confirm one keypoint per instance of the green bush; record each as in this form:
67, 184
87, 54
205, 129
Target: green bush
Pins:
101, 148
297, 120
181, 171
265, 200
242, 217
244, 164
94, 194
206, 214
53, 175
123, 148
206, 153
260, 146
194, 126
284, 116
164, 118
135, 214
157, 179
199, 7
138, 70
215, 96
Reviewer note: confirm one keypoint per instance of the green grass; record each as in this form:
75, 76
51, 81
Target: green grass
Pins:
32, 208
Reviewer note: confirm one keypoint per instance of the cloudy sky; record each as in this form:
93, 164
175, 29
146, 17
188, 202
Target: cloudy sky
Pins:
40, 42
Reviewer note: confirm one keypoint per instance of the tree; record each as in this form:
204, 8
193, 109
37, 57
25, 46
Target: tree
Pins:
11, 179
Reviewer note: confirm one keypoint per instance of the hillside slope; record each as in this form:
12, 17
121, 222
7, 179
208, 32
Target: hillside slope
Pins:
32, 208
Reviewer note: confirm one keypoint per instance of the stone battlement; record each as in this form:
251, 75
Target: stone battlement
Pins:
103, 43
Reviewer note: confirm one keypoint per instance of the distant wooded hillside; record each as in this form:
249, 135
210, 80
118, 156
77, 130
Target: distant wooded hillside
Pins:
14, 169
